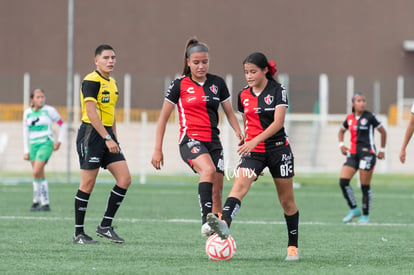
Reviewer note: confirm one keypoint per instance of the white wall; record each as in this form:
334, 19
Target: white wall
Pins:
327, 157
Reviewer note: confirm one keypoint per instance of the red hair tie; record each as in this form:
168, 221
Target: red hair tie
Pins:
272, 67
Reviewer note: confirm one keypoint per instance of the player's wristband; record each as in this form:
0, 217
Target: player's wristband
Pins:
341, 144
382, 150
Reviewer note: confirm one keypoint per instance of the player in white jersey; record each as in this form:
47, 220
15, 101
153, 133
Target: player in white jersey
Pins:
39, 143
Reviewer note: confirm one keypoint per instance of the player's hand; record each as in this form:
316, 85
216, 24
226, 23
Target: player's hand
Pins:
344, 150
26, 156
56, 146
157, 159
381, 155
402, 156
246, 147
240, 136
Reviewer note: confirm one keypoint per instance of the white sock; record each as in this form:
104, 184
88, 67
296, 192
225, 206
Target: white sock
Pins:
36, 191
44, 192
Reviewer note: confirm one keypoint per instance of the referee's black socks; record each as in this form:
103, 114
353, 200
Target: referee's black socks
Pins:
81, 204
114, 201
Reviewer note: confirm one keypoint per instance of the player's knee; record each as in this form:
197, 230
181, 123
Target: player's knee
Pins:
125, 182
288, 205
344, 182
208, 171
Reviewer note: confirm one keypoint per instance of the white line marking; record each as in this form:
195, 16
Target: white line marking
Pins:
197, 221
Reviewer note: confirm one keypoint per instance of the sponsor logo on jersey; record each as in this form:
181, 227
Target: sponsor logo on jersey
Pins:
105, 99
214, 89
34, 121
246, 102
284, 95
191, 99
190, 90
268, 99
168, 91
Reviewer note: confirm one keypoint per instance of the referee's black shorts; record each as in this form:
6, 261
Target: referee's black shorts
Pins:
92, 150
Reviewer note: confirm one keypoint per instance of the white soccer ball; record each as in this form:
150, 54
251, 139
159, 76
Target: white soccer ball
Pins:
218, 249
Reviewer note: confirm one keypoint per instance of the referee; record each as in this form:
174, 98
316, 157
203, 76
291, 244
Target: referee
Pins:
97, 146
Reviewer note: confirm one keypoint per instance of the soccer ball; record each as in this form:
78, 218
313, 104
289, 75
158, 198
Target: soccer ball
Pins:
218, 249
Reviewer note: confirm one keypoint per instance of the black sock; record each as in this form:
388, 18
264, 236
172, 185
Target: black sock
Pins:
292, 223
230, 209
205, 198
366, 199
348, 192
81, 204
114, 201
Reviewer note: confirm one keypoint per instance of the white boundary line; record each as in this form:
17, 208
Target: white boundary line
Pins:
197, 221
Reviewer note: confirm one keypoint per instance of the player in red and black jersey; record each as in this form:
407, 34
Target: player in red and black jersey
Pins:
263, 106
198, 96
361, 155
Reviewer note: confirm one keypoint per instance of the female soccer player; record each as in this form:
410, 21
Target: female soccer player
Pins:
361, 155
198, 96
263, 105
39, 144
408, 134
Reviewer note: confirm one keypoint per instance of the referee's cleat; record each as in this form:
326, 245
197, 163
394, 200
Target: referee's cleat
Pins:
292, 254
353, 213
206, 230
219, 227
363, 220
109, 233
35, 207
83, 239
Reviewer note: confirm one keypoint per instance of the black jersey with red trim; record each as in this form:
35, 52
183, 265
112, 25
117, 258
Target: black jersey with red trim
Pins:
259, 113
362, 131
198, 105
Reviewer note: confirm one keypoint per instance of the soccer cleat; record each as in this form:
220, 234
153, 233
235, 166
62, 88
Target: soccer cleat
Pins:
206, 230
83, 239
218, 226
292, 254
45, 207
364, 219
35, 207
109, 233
353, 213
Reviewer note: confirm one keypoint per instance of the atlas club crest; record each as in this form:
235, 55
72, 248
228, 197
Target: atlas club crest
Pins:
268, 99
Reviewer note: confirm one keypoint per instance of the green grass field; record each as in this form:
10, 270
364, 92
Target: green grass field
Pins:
161, 225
